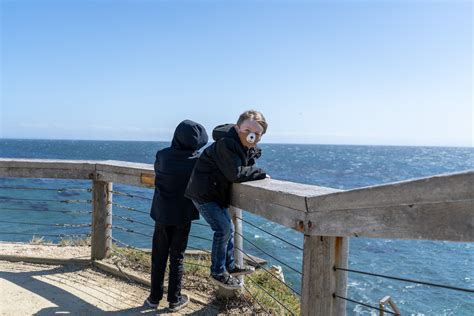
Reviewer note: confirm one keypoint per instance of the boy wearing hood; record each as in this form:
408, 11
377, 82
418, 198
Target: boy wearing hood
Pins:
230, 159
172, 212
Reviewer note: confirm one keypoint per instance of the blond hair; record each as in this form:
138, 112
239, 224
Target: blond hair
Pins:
254, 115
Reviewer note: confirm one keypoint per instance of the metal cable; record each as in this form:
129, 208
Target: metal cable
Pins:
132, 220
44, 235
254, 297
137, 249
130, 195
199, 237
195, 264
200, 265
126, 245
268, 293
46, 189
271, 234
268, 272
45, 200
39, 210
408, 280
130, 208
131, 231
195, 248
47, 224
260, 249
364, 304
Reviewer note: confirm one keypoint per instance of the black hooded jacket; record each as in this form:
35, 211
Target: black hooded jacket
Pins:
225, 162
173, 167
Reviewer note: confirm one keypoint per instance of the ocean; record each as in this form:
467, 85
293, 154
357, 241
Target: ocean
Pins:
337, 166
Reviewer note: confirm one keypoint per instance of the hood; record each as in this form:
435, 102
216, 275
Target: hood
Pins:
221, 131
189, 135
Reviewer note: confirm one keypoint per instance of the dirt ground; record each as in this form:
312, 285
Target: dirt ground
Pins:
39, 289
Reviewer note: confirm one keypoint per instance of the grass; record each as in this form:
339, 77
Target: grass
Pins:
196, 278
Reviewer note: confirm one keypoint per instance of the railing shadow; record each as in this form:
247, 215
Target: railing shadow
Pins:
66, 301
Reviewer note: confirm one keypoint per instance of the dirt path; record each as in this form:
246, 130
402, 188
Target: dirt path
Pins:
39, 289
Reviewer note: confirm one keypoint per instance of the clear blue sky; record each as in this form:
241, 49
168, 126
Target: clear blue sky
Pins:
340, 72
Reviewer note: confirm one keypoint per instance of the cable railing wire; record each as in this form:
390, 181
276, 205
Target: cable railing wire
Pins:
266, 253
45, 200
247, 255
408, 280
200, 265
42, 210
129, 208
47, 189
44, 235
128, 230
146, 252
199, 237
364, 304
254, 297
268, 272
126, 245
131, 195
131, 220
196, 248
46, 224
269, 294
271, 234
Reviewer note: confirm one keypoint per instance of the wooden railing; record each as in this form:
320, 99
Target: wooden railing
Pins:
435, 208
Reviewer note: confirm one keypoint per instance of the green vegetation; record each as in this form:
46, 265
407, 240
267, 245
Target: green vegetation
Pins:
197, 279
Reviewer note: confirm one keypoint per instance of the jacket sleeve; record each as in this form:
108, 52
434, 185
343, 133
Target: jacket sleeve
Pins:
230, 165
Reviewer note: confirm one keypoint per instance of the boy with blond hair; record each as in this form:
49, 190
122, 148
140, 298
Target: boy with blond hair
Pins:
230, 159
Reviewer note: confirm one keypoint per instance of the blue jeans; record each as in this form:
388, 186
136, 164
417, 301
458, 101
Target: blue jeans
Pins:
222, 256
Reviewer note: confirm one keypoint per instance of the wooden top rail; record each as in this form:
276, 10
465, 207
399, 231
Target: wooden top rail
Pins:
439, 207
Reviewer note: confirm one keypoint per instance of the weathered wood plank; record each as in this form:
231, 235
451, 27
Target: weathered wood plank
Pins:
138, 174
45, 260
442, 188
46, 168
450, 221
284, 193
279, 214
279, 201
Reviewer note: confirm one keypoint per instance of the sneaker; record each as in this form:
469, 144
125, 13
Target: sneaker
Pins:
226, 281
151, 303
182, 303
241, 270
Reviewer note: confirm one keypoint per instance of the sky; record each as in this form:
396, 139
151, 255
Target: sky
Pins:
322, 72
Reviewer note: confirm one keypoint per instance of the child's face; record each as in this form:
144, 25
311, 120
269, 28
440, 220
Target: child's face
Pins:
250, 133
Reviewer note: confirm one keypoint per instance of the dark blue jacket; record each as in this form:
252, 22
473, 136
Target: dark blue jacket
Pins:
173, 167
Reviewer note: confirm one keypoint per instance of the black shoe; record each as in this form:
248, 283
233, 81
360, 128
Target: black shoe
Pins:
241, 270
226, 281
152, 303
181, 303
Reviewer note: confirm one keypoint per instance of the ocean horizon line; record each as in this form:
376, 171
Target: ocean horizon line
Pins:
263, 143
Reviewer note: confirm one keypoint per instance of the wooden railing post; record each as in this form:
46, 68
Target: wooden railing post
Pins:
236, 213
320, 280
101, 241
238, 255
